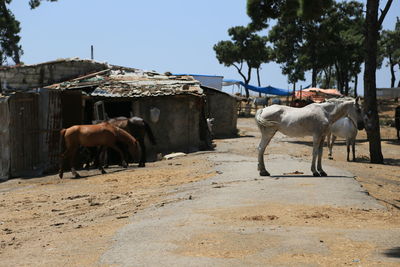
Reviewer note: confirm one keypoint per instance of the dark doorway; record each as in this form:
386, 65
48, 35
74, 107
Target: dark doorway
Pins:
71, 106
117, 109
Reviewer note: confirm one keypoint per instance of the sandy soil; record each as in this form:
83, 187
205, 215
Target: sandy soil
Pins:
70, 222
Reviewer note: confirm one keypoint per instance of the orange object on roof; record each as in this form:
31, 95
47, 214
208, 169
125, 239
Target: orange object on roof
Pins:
317, 94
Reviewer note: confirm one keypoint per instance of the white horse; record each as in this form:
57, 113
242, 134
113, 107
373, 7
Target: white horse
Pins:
346, 128
312, 120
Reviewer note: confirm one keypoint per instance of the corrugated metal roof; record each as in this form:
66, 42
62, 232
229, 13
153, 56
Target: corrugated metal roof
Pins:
131, 83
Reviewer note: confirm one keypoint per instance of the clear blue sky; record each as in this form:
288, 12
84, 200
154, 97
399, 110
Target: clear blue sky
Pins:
176, 35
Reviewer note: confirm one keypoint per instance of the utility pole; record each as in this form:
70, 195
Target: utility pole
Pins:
91, 52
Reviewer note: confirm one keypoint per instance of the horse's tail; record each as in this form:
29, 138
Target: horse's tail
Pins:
261, 122
149, 133
62, 141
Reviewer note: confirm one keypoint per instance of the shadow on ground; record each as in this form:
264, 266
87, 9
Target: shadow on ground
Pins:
393, 252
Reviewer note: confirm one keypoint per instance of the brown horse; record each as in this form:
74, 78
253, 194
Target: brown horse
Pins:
138, 128
100, 135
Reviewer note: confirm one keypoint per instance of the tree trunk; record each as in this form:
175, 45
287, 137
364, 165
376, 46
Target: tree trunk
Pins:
355, 85
393, 76
328, 75
346, 87
247, 80
258, 80
339, 79
294, 92
370, 102
314, 77
398, 85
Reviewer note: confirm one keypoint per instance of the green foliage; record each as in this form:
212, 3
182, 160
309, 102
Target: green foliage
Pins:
246, 47
389, 47
287, 39
260, 11
9, 35
335, 38
9, 32
35, 3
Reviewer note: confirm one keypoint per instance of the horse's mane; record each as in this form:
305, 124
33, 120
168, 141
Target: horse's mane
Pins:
124, 136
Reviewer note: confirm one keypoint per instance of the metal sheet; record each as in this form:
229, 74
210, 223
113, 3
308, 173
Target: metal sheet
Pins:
24, 135
54, 122
4, 139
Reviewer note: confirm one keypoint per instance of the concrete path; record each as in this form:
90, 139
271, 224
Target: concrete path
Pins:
191, 228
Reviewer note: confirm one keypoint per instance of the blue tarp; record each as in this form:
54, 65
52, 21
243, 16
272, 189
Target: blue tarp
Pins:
265, 90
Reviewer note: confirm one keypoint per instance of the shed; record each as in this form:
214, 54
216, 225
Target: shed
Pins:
36, 101
179, 101
33, 117
29, 133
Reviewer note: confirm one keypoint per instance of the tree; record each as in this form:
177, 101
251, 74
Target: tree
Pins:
330, 43
261, 11
389, 47
372, 26
246, 48
286, 37
35, 3
344, 22
9, 32
9, 35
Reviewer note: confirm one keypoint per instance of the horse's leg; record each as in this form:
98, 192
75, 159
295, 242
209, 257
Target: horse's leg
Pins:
142, 161
121, 154
317, 141
102, 151
62, 160
348, 142
105, 163
319, 163
330, 144
64, 156
353, 146
72, 162
266, 136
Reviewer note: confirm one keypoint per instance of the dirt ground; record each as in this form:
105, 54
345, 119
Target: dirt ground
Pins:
70, 222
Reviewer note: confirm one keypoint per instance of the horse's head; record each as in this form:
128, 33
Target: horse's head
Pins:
355, 113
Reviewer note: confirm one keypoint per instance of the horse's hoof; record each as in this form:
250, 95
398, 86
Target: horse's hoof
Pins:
316, 174
323, 174
103, 172
330, 157
77, 176
141, 165
264, 173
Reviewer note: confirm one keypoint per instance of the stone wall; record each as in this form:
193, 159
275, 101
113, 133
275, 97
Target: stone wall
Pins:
36, 76
178, 126
223, 108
